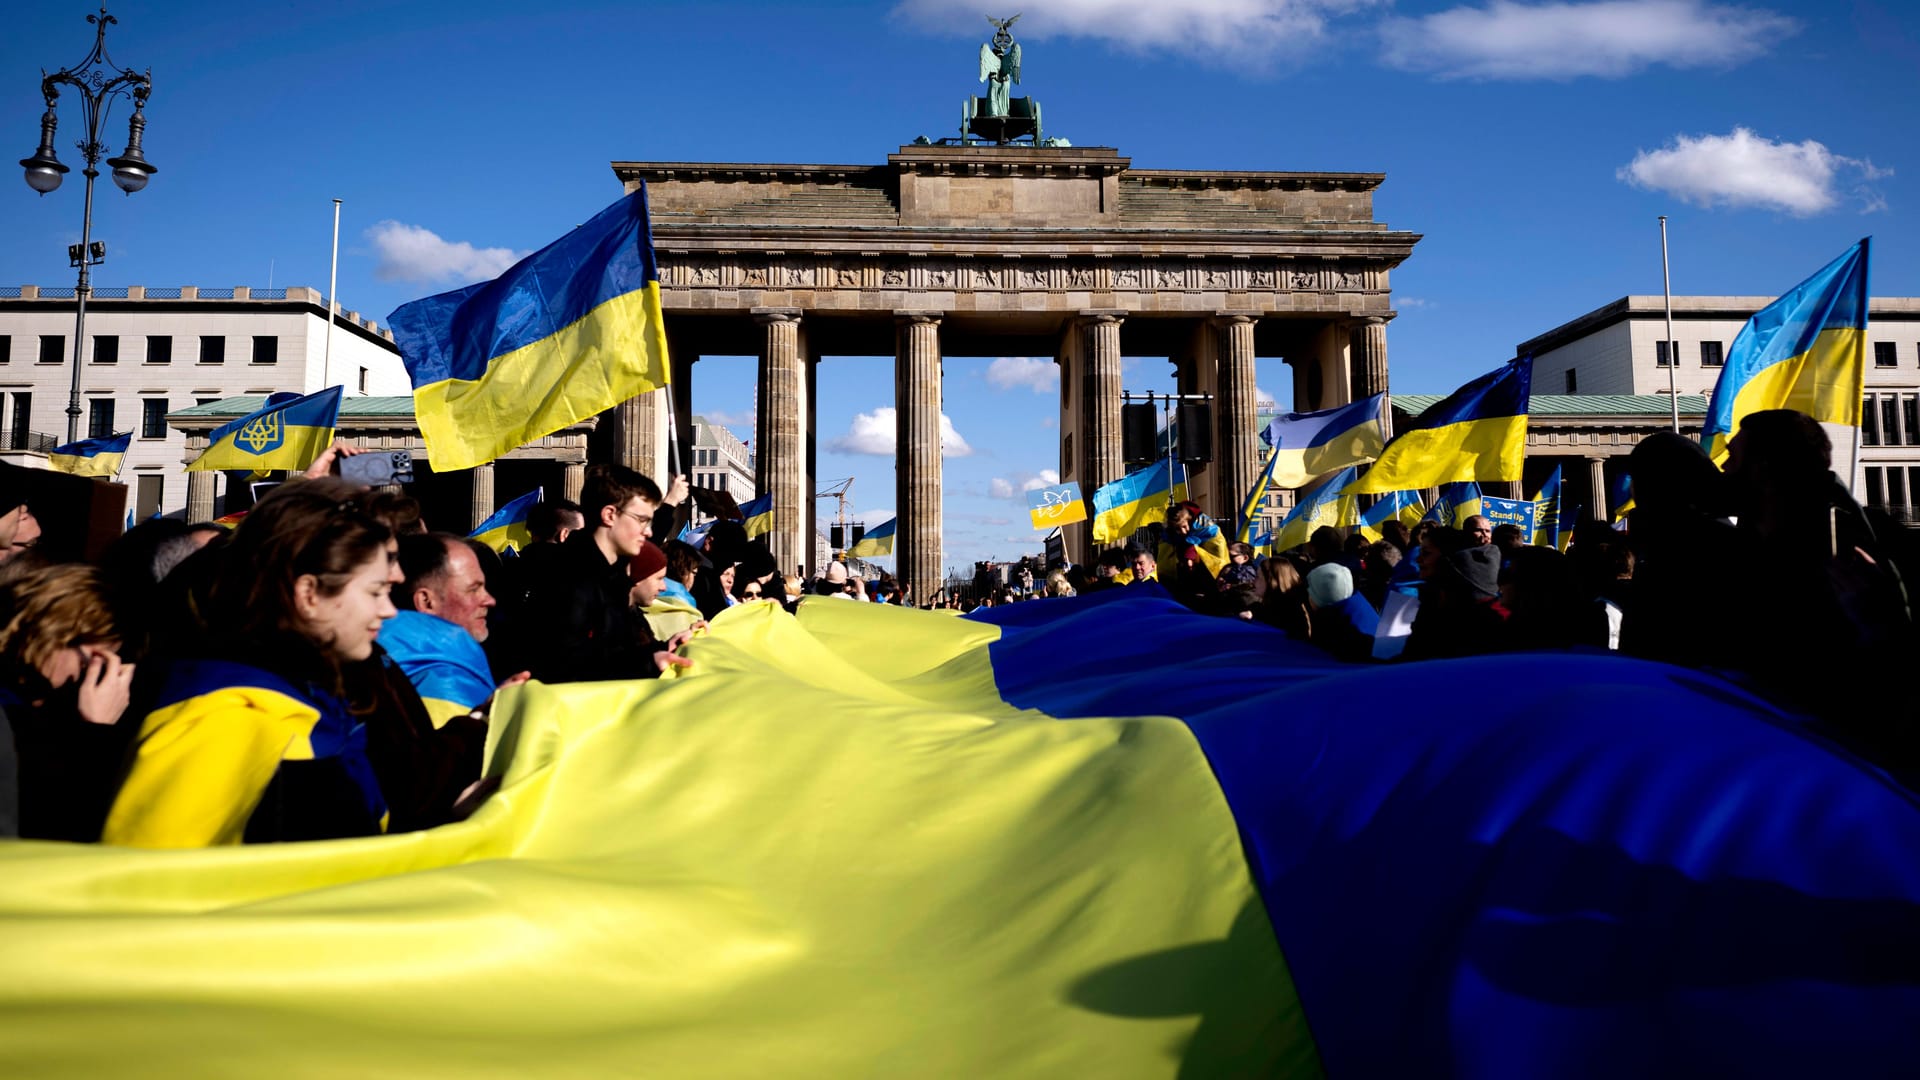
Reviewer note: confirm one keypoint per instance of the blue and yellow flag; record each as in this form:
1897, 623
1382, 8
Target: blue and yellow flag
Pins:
91, 457
1306, 445
1477, 433
1325, 503
1136, 500
877, 541
1805, 351
570, 331
1454, 504
1621, 491
1096, 836
446, 666
1405, 507
757, 515
1547, 528
507, 527
1250, 506
1052, 507
282, 435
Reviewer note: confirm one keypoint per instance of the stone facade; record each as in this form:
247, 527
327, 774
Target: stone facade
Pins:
990, 251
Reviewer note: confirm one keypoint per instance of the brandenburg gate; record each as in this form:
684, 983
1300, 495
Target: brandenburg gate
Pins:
1009, 250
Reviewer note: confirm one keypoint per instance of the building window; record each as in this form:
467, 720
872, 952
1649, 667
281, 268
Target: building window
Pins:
159, 350
1573, 381
266, 350
106, 349
100, 418
1884, 354
213, 350
1663, 353
1870, 422
363, 380
1910, 412
53, 348
153, 418
1889, 420
1897, 488
22, 421
1876, 486
148, 493
1712, 354
6, 349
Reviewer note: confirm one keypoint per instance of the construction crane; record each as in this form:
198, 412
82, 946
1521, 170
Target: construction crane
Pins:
842, 490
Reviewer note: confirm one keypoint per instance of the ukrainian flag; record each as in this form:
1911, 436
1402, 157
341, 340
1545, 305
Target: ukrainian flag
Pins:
878, 541
1454, 504
1325, 503
1548, 530
1805, 351
1622, 491
1136, 500
570, 331
758, 515
1477, 433
1306, 445
507, 527
1098, 836
91, 457
1406, 507
1250, 508
446, 666
284, 435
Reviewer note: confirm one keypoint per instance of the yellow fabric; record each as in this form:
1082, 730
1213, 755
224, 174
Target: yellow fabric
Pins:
1116, 525
822, 854
615, 352
1827, 382
200, 767
1212, 553
440, 710
1482, 450
668, 615
102, 465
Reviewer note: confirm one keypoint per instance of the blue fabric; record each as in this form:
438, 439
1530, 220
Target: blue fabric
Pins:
440, 659
1557, 866
679, 592
320, 409
1296, 431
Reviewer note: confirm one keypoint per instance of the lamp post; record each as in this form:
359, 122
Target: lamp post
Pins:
98, 80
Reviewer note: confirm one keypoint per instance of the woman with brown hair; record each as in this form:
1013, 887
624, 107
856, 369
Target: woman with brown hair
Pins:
253, 741
1282, 597
62, 690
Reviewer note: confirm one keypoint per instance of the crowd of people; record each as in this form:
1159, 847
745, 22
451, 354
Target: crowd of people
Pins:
326, 668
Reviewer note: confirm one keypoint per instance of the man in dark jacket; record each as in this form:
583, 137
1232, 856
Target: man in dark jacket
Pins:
579, 624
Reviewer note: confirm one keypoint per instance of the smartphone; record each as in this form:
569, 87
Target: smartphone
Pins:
379, 468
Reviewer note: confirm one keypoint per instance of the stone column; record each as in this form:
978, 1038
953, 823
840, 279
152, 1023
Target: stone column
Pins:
1597, 477
916, 467
1369, 357
482, 506
639, 434
199, 497
1234, 447
781, 458
1100, 398
573, 480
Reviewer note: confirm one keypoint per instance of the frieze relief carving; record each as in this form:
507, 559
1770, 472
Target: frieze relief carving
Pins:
847, 276
1015, 274
1129, 276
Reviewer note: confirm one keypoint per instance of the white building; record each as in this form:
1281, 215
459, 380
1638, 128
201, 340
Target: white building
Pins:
721, 462
1620, 349
151, 352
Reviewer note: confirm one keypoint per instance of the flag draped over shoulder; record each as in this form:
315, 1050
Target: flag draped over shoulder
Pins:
1325, 503
877, 541
91, 457
286, 434
757, 515
1405, 507
1136, 500
570, 331
1479, 433
1805, 351
1306, 445
507, 527
1093, 836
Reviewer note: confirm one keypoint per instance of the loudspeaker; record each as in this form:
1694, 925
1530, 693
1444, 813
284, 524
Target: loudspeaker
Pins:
1196, 433
1138, 425
837, 537
859, 533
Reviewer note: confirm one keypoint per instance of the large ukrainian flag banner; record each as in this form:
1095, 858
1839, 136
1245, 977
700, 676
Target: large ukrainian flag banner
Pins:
568, 332
286, 435
1325, 503
1136, 500
1477, 433
1306, 445
91, 457
1805, 351
507, 527
1098, 836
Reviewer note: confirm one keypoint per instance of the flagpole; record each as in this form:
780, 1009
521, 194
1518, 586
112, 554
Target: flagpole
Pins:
333, 307
1673, 350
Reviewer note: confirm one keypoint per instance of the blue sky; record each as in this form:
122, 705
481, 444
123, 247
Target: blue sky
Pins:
1532, 144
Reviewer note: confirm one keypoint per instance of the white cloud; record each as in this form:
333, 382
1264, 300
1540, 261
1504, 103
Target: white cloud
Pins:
1047, 478
998, 488
411, 253
1744, 169
1261, 397
741, 421
1235, 32
1408, 303
874, 433
1036, 374
1608, 39
1003, 488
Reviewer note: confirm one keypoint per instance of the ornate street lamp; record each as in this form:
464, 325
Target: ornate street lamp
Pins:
98, 80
